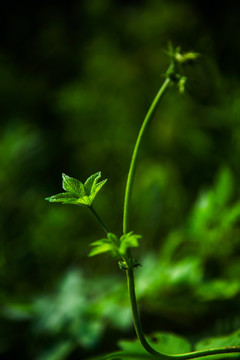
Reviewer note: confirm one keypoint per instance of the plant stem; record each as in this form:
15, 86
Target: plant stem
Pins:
102, 224
132, 168
129, 272
138, 356
135, 313
149, 349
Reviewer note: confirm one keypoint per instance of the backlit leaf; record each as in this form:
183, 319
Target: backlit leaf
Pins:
76, 192
72, 185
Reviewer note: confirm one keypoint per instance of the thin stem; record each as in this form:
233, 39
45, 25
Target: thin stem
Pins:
102, 224
132, 168
135, 313
149, 349
129, 272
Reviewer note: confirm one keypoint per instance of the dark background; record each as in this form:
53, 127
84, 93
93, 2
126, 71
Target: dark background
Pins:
77, 78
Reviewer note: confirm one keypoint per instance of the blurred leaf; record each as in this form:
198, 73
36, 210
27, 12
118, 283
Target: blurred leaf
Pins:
218, 289
117, 247
232, 339
102, 246
224, 187
127, 241
162, 341
17, 312
80, 308
59, 351
165, 343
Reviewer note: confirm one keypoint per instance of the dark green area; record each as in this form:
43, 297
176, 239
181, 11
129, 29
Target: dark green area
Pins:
76, 80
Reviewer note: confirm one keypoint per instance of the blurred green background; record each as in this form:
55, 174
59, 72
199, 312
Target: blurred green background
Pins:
76, 79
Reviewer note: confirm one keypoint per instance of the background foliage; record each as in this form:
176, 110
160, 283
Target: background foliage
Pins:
76, 81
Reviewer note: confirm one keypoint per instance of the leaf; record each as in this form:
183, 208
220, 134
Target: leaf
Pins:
77, 193
100, 248
95, 189
73, 186
114, 239
232, 339
117, 247
90, 182
109, 244
231, 215
59, 351
223, 187
127, 241
162, 342
65, 198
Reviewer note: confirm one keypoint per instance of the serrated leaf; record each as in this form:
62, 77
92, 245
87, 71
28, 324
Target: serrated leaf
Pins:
95, 189
76, 192
65, 198
73, 186
90, 182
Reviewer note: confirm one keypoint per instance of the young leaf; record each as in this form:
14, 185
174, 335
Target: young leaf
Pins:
65, 198
90, 182
110, 244
100, 247
78, 193
127, 241
73, 186
117, 247
95, 189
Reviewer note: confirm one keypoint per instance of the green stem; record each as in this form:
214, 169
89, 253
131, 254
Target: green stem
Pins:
105, 228
129, 272
149, 349
137, 356
132, 168
135, 313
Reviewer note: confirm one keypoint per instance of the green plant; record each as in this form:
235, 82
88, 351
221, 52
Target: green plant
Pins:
77, 193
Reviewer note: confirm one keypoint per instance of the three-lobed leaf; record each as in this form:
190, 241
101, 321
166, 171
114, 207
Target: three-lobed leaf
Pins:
78, 193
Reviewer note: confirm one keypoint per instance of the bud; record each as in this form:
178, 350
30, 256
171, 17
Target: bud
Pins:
181, 84
187, 57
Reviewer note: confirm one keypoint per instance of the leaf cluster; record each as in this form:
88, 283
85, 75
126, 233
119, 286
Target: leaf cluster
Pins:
78, 193
178, 60
117, 247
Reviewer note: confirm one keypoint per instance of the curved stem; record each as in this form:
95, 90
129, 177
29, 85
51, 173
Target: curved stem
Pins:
149, 349
132, 168
135, 313
102, 224
138, 356
129, 272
